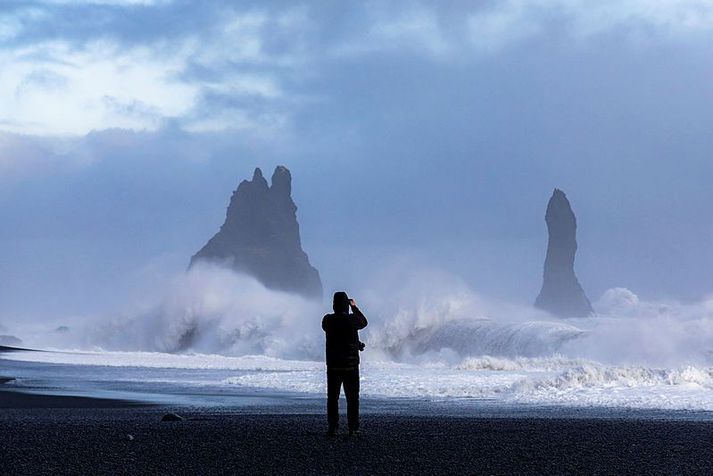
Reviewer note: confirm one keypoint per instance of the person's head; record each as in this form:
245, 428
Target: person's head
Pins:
340, 304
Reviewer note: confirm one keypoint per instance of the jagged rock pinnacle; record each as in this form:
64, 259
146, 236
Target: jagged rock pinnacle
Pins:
282, 181
561, 293
261, 236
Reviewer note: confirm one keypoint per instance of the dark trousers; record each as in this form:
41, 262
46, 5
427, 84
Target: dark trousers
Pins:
350, 380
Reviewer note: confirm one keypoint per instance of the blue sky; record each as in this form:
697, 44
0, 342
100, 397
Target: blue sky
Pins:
417, 134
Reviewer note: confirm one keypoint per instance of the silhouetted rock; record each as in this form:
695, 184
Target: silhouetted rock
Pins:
261, 237
561, 292
10, 340
172, 417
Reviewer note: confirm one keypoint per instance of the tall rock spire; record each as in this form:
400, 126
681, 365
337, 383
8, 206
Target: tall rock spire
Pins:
561, 293
261, 237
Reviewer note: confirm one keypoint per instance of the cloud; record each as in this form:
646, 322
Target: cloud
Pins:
416, 31
673, 17
499, 27
21, 155
69, 85
120, 3
52, 88
507, 22
73, 67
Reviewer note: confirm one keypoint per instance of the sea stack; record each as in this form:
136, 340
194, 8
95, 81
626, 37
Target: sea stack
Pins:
261, 237
561, 293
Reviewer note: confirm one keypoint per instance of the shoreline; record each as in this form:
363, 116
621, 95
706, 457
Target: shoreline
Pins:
30, 398
6, 348
216, 381
18, 399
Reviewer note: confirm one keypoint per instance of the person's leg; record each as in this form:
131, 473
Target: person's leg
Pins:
351, 391
334, 384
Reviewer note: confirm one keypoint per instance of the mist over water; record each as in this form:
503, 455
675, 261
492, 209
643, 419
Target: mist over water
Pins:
422, 316
429, 335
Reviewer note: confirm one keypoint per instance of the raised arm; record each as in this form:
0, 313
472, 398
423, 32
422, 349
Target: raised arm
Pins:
357, 318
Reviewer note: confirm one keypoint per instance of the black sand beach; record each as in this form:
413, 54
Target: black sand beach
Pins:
94, 440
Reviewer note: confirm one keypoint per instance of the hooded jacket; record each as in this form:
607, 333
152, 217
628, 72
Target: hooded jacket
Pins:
342, 330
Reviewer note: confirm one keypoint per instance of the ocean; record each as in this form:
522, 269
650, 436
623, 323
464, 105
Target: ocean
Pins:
217, 338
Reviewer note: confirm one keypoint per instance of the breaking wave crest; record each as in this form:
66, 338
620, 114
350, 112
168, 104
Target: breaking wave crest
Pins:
213, 310
593, 375
431, 337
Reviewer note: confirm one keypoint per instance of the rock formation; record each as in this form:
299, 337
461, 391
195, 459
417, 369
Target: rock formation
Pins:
561, 293
261, 237
10, 340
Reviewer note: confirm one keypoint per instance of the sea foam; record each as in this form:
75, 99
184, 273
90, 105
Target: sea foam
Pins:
430, 337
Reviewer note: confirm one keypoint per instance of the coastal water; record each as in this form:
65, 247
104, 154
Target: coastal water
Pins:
220, 381
216, 338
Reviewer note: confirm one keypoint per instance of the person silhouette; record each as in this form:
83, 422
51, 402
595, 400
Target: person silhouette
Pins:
343, 346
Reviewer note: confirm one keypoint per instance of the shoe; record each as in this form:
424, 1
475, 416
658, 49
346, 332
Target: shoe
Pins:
356, 432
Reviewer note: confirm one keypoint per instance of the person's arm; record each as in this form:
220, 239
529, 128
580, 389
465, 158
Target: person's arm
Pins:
325, 323
357, 318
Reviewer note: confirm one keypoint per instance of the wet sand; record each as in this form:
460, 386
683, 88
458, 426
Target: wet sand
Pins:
94, 440
10, 399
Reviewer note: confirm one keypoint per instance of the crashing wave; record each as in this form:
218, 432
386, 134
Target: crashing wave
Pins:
487, 337
489, 362
593, 375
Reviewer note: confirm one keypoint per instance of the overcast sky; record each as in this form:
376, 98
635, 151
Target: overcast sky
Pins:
418, 134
